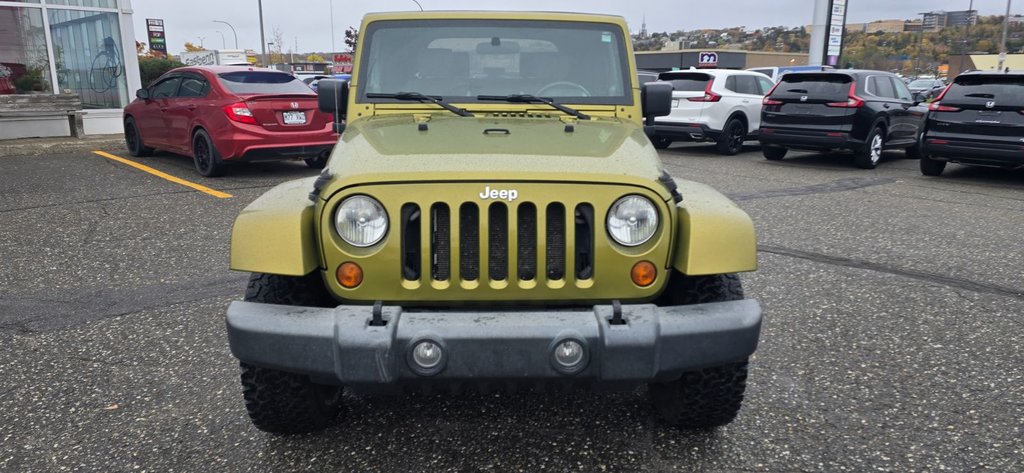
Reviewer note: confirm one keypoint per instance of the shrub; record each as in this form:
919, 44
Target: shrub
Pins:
151, 68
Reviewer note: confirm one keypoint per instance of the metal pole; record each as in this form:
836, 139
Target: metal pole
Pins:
1002, 46
333, 50
418, 4
819, 33
263, 39
232, 31
223, 42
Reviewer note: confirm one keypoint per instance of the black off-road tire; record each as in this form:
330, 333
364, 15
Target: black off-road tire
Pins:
932, 167
702, 399
730, 143
774, 153
205, 156
660, 142
709, 397
280, 402
869, 155
133, 139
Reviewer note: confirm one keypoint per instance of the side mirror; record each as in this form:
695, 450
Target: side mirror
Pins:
332, 97
142, 94
656, 100
919, 97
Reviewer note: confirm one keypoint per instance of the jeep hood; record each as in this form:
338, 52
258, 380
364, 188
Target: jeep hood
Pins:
434, 148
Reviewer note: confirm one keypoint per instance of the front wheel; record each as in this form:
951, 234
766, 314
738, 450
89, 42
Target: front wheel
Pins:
708, 397
731, 141
702, 399
868, 156
277, 401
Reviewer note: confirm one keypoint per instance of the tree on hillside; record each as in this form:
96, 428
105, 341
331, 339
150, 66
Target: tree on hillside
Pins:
189, 47
276, 46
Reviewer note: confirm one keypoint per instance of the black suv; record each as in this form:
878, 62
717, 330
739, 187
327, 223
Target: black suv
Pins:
978, 119
862, 111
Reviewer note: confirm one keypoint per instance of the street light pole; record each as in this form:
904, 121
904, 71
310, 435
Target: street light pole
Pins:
333, 49
232, 30
263, 40
1002, 46
223, 42
418, 4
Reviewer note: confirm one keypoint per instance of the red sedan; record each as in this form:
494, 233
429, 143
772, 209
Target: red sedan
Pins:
227, 114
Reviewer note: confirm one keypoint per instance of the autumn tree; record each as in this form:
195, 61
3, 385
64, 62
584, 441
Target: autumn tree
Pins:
315, 58
189, 47
276, 46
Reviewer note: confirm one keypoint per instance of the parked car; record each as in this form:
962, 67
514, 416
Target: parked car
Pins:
717, 105
978, 120
221, 114
776, 73
924, 89
646, 76
862, 111
316, 81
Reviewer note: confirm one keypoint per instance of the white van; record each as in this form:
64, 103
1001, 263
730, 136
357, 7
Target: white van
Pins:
776, 73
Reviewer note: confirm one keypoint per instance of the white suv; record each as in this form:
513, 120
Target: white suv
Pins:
718, 105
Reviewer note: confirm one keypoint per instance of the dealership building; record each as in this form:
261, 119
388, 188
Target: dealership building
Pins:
661, 61
72, 56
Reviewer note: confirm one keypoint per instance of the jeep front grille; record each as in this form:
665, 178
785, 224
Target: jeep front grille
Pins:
498, 241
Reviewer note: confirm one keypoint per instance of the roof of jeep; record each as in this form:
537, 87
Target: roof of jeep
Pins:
499, 15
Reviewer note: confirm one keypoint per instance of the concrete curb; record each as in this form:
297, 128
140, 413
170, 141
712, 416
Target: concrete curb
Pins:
61, 145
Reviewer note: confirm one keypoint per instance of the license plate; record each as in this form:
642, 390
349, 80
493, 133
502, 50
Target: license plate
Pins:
675, 104
294, 118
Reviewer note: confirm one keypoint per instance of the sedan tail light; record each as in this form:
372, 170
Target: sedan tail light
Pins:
240, 113
853, 101
709, 96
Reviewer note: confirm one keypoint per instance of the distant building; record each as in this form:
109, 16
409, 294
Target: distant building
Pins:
937, 20
1016, 19
885, 26
913, 26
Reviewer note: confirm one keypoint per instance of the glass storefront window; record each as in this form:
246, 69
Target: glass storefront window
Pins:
87, 50
24, 60
84, 3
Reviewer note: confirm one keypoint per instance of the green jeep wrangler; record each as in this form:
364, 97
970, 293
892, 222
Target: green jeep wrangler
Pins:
494, 216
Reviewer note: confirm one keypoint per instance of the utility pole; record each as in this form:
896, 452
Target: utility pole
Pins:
819, 32
1002, 46
263, 40
333, 49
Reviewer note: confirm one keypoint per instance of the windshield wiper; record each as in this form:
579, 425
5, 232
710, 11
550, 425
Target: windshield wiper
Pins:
525, 98
418, 97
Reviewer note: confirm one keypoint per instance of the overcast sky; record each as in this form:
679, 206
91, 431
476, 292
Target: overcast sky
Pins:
308, 22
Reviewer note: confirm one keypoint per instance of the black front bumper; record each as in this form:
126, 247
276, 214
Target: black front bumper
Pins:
284, 153
342, 346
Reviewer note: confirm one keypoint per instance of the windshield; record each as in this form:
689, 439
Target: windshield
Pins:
921, 84
827, 86
458, 60
1000, 90
263, 82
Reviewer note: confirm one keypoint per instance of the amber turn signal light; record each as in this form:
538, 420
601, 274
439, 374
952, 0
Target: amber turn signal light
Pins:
644, 273
350, 275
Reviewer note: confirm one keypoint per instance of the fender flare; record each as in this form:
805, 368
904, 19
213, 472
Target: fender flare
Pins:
712, 235
276, 233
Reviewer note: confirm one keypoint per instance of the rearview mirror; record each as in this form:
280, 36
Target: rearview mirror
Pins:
332, 97
142, 94
656, 100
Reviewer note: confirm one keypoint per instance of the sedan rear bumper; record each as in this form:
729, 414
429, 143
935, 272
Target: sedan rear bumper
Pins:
254, 143
341, 345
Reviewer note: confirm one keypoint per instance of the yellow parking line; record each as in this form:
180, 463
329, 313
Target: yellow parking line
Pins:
176, 180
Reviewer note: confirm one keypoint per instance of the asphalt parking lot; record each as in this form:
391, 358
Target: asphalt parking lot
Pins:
894, 308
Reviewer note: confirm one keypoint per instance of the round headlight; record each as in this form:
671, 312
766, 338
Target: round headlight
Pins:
632, 220
361, 221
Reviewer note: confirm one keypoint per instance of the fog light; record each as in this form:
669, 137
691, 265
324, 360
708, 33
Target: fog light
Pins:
569, 354
427, 355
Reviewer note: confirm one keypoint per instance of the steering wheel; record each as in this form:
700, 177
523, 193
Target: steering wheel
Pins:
554, 85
